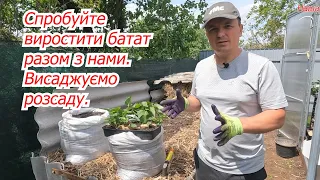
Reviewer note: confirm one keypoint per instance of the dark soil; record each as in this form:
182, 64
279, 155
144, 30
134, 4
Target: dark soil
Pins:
128, 128
88, 114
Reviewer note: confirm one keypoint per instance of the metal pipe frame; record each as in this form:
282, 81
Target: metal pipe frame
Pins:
315, 148
313, 45
315, 142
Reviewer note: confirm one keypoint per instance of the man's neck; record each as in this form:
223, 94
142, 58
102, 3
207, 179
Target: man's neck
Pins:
227, 57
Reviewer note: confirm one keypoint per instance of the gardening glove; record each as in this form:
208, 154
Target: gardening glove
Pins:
175, 106
230, 127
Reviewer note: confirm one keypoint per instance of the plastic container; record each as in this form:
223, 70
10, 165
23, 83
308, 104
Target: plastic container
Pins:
286, 148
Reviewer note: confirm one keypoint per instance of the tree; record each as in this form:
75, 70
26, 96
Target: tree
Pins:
175, 27
269, 17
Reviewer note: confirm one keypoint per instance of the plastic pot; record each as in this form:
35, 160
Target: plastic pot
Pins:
146, 134
286, 148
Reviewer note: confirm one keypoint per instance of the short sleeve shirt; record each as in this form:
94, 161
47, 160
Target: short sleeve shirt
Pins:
251, 84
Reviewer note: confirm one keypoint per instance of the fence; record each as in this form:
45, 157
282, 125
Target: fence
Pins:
275, 55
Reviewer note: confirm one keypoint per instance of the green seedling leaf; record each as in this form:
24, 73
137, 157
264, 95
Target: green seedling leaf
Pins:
128, 101
133, 118
145, 104
144, 112
158, 106
144, 119
133, 126
126, 111
137, 106
153, 111
140, 113
123, 120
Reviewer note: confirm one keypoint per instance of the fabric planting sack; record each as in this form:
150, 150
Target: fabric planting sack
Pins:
137, 158
82, 136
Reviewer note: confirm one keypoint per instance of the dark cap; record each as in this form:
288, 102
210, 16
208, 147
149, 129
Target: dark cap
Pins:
220, 9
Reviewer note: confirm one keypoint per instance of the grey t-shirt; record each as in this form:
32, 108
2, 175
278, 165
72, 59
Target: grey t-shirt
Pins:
250, 85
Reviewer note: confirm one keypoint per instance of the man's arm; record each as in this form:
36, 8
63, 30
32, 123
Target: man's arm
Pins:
194, 104
263, 122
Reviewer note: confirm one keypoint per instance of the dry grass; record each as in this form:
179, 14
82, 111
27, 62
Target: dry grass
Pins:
183, 144
170, 90
104, 167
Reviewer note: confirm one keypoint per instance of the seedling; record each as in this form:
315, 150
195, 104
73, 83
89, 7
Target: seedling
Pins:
142, 115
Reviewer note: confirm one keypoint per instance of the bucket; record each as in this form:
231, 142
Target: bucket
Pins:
285, 147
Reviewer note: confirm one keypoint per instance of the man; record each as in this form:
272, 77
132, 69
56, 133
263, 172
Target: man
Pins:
240, 97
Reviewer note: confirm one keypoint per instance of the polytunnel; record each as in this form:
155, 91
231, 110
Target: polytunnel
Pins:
300, 67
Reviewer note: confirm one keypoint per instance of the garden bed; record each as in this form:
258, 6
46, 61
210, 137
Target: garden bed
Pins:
180, 133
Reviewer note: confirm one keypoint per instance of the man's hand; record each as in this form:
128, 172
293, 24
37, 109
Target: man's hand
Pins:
175, 106
230, 127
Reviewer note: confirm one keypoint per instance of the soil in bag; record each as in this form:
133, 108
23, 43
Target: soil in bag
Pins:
144, 134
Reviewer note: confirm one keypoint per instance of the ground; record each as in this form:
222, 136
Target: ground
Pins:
276, 166
181, 134
281, 168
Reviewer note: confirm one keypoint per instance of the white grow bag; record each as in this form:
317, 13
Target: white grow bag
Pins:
137, 158
83, 139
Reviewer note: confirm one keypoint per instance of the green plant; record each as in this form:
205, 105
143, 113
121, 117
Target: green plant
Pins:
315, 88
140, 115
314, 92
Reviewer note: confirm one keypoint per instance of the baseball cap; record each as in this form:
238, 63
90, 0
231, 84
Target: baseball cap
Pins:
220, 9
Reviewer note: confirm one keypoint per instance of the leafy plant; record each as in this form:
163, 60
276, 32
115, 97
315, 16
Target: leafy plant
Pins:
314, 92
315, 88
140, 115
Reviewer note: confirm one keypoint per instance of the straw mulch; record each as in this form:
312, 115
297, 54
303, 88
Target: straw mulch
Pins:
102, 168
183, 143
170, 89
180, 133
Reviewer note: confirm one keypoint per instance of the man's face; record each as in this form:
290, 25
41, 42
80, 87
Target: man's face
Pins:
223, 34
